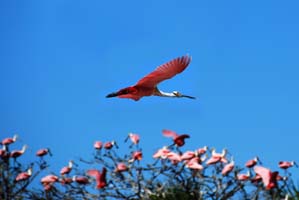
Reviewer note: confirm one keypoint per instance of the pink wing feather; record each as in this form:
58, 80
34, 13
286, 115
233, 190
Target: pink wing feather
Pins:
264, 173
169, 133
165, 71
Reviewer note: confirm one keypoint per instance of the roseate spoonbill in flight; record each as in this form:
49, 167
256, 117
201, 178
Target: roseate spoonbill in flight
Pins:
269, 178
287, 164
100, 177
8, 141
147, 86
179, 140
24, 175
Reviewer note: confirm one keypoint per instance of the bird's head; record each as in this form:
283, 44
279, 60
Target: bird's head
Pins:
178, 94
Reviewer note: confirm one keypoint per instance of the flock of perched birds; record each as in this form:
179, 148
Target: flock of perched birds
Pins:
195, 160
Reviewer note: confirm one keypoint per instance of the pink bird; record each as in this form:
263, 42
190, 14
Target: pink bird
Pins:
147, 86
3, 152
99, 177
121, 167
98, 145
243, 177
83, 180
228, 168
8, 141
18, 153
136, 155
49, 179
161, 153
286, 164
24, 175
134, 138
194, 163
251, 163
179, 140
269, 178
109, 145
188, 155
174, 157
43, 152
67, 169
65, 180
216, 157
202, 150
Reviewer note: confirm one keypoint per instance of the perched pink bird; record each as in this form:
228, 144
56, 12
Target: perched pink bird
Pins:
243, 177
24, 175
147, 86
65, 180
189, 155
43, 152
194, 163
161, 153
3, 152
18, 153
216, 157
286, 164
109, 145
202, 150
8, 141
269, 178
83, 180
251, 163
121, 167
174, 157
99, 177
136, 155
228, 168
98, 145
67, 169
134, 138
49, 179
179, 140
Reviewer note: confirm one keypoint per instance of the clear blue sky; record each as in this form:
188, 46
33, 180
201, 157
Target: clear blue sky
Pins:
60, 58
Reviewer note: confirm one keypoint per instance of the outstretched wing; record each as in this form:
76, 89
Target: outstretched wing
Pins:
94, 173
264, 173
165, 71
169, 133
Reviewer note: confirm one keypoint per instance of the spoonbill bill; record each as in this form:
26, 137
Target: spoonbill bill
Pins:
147, 86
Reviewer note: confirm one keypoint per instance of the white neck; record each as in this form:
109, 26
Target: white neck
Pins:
166, 94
